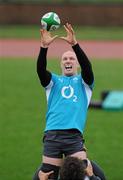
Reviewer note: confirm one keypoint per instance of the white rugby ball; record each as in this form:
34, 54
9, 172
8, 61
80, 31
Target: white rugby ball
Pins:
50, 21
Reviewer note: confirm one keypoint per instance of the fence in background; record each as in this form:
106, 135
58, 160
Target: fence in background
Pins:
63, 1
79, 14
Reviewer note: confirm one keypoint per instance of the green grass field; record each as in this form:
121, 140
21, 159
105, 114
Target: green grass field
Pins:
84, 33
22, 119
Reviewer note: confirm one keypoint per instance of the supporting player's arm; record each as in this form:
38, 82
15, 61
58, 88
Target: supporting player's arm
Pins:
90, 173
44, 75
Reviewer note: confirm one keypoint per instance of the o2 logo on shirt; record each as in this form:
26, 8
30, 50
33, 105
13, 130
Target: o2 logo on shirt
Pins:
68, 92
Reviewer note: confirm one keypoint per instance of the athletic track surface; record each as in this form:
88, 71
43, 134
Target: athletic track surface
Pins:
30, 48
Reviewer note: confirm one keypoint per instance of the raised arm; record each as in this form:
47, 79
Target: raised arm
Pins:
86, 68
43, 74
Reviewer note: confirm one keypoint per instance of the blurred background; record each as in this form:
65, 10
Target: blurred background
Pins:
98, 26
80, 12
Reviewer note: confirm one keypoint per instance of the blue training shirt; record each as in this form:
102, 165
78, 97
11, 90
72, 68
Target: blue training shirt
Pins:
68, 98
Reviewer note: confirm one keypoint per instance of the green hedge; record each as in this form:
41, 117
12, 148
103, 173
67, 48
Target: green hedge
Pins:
82, 32
62, 1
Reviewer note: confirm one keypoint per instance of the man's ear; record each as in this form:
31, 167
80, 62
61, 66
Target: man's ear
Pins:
78, 64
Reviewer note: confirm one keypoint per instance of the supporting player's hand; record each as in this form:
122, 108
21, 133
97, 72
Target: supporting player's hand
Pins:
44, 176
89, 169
70, 38
46, 38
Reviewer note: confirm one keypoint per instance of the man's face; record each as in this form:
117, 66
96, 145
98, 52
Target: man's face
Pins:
69, 63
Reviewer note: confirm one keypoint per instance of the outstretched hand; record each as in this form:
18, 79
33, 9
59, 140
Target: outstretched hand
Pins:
46, 38
70, 38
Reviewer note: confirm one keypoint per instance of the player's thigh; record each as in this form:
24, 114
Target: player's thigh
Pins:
80, 154
53, 161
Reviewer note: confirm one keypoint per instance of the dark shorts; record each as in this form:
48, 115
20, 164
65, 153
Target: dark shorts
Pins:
62, 142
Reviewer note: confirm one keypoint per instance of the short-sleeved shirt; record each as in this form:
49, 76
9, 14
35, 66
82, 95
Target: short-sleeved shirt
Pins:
68, 98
